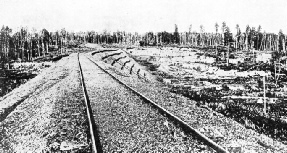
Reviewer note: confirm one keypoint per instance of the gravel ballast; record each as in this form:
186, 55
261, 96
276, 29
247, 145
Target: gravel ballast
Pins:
128, 124
225, 131
50, 114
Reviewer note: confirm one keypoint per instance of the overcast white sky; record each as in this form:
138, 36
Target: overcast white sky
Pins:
143, 15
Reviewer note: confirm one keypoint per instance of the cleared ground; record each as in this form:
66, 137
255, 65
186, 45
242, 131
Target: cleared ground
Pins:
46, 113
50, 111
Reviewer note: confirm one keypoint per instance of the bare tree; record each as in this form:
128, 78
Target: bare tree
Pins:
216, 27
223, 28
247, 31
46, 39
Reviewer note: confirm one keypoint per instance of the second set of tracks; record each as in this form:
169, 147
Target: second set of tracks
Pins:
114, 107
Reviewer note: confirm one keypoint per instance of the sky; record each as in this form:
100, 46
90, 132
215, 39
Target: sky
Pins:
143, 15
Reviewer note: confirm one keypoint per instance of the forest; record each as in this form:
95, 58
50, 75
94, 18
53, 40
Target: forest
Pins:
27, 45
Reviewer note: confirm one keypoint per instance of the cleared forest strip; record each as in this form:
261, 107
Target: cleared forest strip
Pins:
171, 116
203, 119
112, 102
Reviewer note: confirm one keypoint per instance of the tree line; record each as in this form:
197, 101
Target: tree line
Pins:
247, 39
27, 45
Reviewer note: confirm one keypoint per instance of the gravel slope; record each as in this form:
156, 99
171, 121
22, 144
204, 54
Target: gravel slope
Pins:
224, 131
50, 116
126, 123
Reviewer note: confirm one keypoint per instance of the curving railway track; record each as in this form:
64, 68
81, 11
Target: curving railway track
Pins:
123, 119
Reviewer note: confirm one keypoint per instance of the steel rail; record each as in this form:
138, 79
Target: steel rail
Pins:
185, 125
96, 147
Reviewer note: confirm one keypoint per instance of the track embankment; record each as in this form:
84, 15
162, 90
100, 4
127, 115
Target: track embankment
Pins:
47, 113
224, 131
126, 122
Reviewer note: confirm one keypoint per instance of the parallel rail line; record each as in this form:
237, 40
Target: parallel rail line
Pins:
170, 115
95, 142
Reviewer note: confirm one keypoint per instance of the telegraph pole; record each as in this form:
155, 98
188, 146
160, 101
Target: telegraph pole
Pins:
228, 54
264, 94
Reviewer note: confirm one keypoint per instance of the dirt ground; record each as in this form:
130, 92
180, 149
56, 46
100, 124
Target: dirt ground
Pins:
46, 113
173, 64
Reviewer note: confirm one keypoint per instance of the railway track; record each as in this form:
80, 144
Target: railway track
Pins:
94, 137
128, 109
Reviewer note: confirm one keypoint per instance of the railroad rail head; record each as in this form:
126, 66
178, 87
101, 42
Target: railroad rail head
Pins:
184, 125
94, 135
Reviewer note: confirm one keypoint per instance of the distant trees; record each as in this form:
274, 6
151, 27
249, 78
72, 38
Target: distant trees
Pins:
201, 29
252, 38
216, 27
45, 40
167, 38
27, 45
227, 35
189, 29
4, 44
258, 37
24, 45
176, 35
237, 36
282, 41
237, 29
223, 27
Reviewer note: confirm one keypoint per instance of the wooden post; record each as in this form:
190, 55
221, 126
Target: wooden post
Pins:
284, 49
279, 67
38, 44
216, 52
62, 46
253, 56
275, 72
31, 50
47, 47
43, 48
264, 94
228, 54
